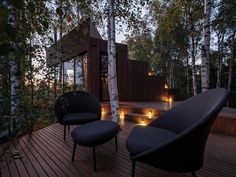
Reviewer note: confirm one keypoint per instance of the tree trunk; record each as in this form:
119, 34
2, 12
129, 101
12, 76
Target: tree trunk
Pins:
15, 93
61, 67
14, 71
55, 69
112, 74
193, 67
187, 77
171, 73
220, 50
31, 76
231, 62
205, 71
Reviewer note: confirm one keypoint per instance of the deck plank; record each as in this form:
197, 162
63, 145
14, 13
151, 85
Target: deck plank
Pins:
46, 154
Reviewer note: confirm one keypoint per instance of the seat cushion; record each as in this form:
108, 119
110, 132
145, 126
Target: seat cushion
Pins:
144, 138
79, 118
95, 133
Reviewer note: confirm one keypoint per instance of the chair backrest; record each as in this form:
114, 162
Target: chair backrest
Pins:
193, 111
76, 102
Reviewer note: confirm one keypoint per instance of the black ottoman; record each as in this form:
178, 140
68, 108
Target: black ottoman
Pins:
93, 134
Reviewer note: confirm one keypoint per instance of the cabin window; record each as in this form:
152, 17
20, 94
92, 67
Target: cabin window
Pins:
75, 73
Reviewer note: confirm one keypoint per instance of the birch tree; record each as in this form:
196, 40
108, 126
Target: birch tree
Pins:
112, 74
14, 67
205, 71
193, 66
194, 14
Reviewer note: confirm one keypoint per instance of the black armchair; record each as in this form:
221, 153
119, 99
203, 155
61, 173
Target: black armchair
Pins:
176, 140
77, 107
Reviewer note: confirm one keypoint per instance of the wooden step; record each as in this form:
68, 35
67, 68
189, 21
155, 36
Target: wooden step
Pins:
126, 109
143, 119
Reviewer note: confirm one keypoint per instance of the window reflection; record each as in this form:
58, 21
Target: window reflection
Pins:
81, 72
75, 74
69, 74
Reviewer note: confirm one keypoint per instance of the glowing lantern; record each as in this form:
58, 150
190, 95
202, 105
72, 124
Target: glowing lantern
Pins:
150, 73
166, 86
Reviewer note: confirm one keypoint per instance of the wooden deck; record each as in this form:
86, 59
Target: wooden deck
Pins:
46, 154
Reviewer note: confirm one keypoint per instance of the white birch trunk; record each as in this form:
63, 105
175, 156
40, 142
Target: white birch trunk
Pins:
219, 67
61, 67
15, 92
193, 67
14, 71
205, 71
109, 46
112, 74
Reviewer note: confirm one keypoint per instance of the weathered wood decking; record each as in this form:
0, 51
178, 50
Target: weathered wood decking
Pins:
46, 154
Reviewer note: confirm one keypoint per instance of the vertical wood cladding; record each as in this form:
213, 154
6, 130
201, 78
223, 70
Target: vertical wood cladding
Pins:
134, 83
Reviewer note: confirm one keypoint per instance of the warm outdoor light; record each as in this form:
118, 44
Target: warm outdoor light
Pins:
150, 73
122, 114
170, 100
103, 112
143, 123
166, 86
149, 114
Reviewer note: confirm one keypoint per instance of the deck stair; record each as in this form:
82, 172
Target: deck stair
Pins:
139, 118
136, 113
224, 124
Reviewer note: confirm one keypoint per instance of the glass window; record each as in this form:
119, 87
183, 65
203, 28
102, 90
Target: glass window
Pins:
75, 73
81, 72
68, 75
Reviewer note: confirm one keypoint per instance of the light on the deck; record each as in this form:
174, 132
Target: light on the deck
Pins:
170, 100
122, 114
103, 112
143, 123
166, 86
150, 73
149, 114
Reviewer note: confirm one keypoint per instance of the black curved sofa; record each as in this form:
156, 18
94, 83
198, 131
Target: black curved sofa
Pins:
176, 140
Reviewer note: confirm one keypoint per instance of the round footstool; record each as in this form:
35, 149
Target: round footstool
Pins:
93, 134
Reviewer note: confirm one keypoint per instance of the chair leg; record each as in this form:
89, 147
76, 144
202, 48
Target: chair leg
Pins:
116, 143
94, 159
194, 174
133, 169
64, 132
73, 154
68, 127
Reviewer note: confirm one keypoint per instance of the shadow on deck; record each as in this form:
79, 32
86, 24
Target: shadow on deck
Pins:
46, 154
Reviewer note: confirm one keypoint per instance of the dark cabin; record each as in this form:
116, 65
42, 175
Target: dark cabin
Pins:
83, 53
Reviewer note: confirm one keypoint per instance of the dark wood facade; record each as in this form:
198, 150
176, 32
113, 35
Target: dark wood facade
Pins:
134, 83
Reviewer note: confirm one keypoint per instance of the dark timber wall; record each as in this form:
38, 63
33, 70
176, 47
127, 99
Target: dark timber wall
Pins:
134, 83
